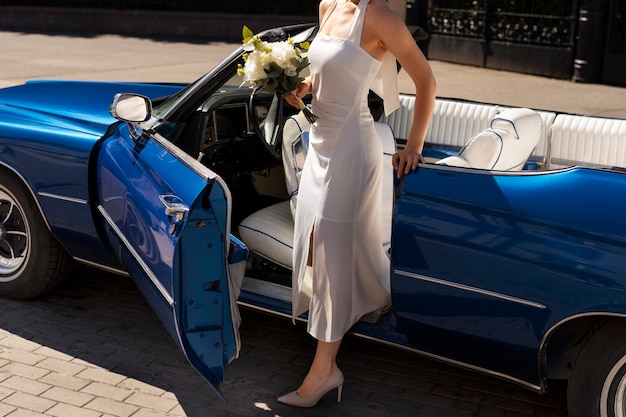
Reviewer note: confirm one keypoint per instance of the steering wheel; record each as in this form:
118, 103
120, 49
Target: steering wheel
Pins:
269, 129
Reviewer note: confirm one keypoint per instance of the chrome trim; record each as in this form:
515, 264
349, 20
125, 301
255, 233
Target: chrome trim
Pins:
477, 171
543, 346
267, 310
267, 289
203, 172
63, 198
102, 267
135, 255
471, 289
453, 362
229, 207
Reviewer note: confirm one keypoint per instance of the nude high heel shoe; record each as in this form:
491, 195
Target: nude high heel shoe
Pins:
335, 380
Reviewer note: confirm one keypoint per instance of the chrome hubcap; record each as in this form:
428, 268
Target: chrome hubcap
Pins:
14, 236
614, 386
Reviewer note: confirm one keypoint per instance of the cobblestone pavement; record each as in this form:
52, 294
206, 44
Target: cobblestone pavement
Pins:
93, 348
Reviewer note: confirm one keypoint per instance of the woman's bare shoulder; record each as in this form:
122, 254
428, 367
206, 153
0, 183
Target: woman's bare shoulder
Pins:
324, 5
383, 21
380, 11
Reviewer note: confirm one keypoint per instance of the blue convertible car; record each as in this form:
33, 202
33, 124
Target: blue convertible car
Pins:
507, 248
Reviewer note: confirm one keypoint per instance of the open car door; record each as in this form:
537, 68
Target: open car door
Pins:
167, 218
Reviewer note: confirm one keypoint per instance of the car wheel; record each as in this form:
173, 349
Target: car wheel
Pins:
32, 262
597, 384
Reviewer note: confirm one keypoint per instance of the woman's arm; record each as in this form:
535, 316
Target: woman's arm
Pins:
385, 31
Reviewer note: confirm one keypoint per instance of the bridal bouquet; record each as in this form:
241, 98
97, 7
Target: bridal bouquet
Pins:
274, 66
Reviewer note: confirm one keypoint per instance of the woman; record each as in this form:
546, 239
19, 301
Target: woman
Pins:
340, 271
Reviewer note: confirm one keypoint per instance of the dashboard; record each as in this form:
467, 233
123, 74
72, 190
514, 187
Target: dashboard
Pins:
230, 144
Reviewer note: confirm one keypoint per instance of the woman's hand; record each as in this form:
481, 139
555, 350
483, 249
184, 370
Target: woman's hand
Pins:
406, 160
303, 89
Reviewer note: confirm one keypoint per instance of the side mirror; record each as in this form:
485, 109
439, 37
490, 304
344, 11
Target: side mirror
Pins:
130, 107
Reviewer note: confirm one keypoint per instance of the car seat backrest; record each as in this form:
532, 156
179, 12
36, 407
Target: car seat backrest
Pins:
505, 146
294, 149
452, 121
587, 141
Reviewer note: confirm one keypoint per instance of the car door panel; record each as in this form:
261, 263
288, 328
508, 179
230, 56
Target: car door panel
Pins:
167, 219
477, 276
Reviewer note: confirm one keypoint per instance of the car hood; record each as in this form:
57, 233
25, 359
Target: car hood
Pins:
81, 106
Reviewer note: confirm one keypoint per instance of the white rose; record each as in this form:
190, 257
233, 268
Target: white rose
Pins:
254, 68
282, 53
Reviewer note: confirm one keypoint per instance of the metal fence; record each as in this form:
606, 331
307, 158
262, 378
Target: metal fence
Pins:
532, 22
301, 8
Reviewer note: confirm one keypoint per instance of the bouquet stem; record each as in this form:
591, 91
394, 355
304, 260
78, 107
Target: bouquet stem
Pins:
308, 114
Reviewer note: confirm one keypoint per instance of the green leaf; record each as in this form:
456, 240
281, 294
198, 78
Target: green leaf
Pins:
300, 63
246, 34
271, 86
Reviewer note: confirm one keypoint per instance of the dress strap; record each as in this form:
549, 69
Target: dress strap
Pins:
385, 84
328, 13
356, 28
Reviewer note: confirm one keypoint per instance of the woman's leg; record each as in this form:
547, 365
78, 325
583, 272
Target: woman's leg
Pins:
324, 363
325, 360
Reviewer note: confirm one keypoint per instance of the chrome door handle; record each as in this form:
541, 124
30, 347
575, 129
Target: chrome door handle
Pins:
175, 210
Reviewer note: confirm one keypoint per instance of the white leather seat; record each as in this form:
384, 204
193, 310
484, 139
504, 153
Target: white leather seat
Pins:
269, 231
505, 145
587, 141
294, 148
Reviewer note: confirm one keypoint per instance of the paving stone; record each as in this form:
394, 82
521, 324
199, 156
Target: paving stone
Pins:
6, 409
66, 396
64, 381
23, 356
101, 375
21, 412
30, 372
112, 407
67, 410
29, 402
22, 384
16, 342
60, 366
151, 401
135, 385
107, 391
53, 353
151, 413
4, 375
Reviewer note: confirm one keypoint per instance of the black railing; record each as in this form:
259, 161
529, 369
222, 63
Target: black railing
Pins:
458, 22
537, 22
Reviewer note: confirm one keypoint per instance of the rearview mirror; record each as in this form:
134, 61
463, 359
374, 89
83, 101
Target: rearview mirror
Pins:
131, 107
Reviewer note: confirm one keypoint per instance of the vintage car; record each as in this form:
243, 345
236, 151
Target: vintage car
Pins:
507, 248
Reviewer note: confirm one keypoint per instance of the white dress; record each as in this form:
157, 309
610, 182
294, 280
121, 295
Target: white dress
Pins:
339, 200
